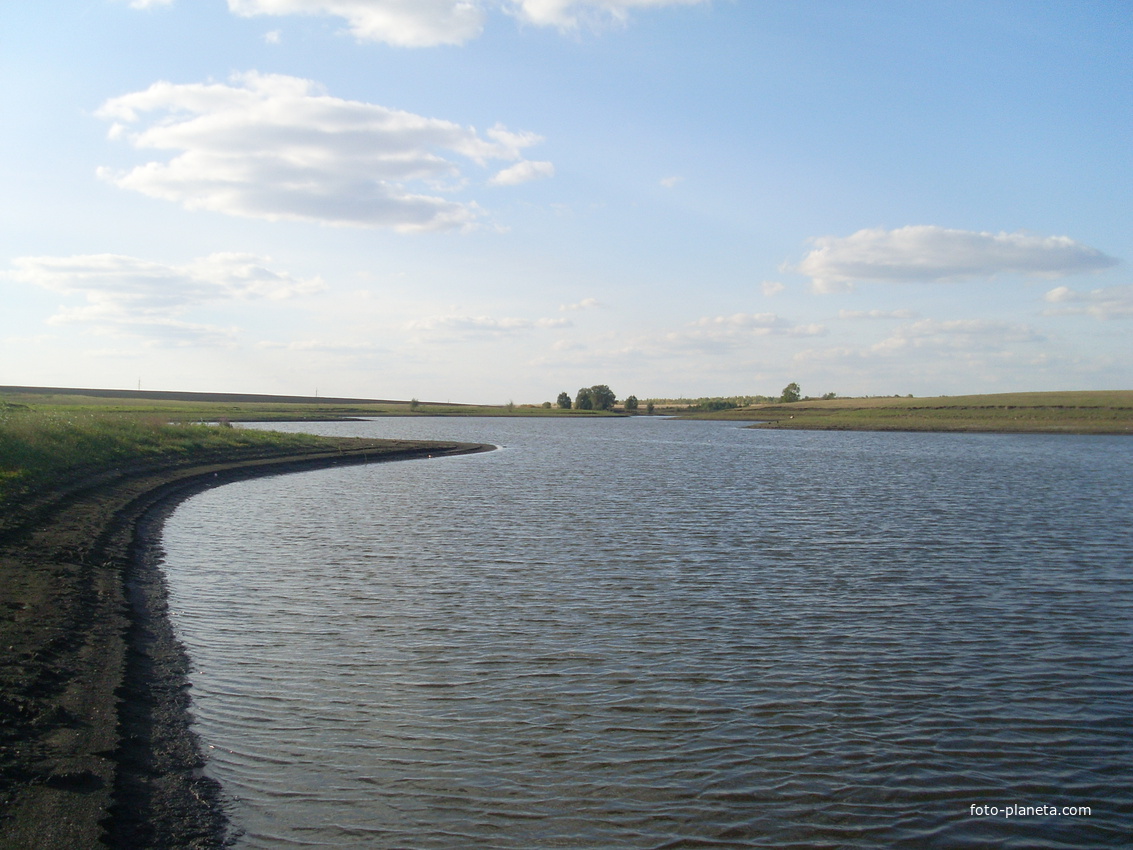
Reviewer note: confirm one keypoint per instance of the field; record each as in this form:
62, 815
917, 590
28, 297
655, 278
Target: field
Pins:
1081, 412
213, 407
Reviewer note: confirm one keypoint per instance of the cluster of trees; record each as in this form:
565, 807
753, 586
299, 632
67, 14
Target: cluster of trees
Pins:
597, 397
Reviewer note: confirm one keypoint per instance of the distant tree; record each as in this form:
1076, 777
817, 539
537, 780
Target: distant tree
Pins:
414, 404
564, 401
510, 406
546, 405
649, 407
790, 393
630, 404
583, 400
602, 397
828, 396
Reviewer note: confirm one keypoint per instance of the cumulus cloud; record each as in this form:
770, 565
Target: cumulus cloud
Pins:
426, 23
1111, 302
930, 253
949, 348
277, 147
746, 324
405, 23
876, 314
483, 324
523, 172
130, 295
965, 334
569, 14
584, 304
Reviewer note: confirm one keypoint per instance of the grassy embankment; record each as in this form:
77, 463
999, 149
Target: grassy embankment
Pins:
64, 438
41, 448
1081, 412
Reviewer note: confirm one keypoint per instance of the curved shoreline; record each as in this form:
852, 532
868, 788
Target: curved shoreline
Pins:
95, 745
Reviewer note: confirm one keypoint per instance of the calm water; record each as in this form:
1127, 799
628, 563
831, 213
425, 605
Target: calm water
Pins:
654, 634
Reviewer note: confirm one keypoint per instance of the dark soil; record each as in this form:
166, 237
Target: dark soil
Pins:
95, 744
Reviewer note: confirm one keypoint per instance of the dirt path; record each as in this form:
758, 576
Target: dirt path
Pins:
95, 747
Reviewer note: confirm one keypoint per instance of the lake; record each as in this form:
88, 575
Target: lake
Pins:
645, 633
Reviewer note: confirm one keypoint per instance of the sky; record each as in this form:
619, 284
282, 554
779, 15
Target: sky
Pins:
499, 200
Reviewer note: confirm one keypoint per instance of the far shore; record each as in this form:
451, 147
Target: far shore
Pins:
95, 746
1077, 412
1068, 412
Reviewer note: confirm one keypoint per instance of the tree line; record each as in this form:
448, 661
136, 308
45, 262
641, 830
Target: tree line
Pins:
597, 397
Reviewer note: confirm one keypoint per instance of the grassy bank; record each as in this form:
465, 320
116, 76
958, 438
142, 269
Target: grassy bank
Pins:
38, 448
1102, 412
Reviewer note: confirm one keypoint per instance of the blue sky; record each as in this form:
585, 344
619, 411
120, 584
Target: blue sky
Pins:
493, 200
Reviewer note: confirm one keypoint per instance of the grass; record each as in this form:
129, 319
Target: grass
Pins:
40, 448
218, 409
1080, 412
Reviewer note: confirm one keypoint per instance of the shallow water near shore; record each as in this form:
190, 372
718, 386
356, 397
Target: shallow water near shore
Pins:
639, 633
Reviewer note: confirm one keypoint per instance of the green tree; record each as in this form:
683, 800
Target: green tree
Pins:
649, 407
631, 404
790, 393
414, 404
564, 401
583, 400
602, 397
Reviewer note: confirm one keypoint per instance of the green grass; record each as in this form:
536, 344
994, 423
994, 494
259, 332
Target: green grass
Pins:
1102, 412
212, 411
40, 448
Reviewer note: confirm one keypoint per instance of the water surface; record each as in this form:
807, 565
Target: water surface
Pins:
644, 633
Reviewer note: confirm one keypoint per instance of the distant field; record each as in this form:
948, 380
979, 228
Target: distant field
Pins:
1074, 412
211, 407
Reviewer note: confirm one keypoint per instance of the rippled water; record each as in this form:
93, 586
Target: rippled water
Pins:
644, 633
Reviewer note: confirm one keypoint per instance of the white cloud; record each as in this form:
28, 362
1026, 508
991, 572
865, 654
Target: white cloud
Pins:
584, 304
568, 14
742, 325
522, 172
965, 334
273, 37
670, 182
426, 23
276, 147
930, 253
149, 4
1111, 302
318, 346
405, 23
771, 288
483, 324
876, 314
129, 295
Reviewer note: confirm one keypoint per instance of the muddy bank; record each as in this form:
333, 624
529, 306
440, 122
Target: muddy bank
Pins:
95, 748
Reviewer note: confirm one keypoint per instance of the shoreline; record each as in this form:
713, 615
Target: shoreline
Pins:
95, 743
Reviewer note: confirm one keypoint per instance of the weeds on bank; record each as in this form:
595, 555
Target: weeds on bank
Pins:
39, 447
